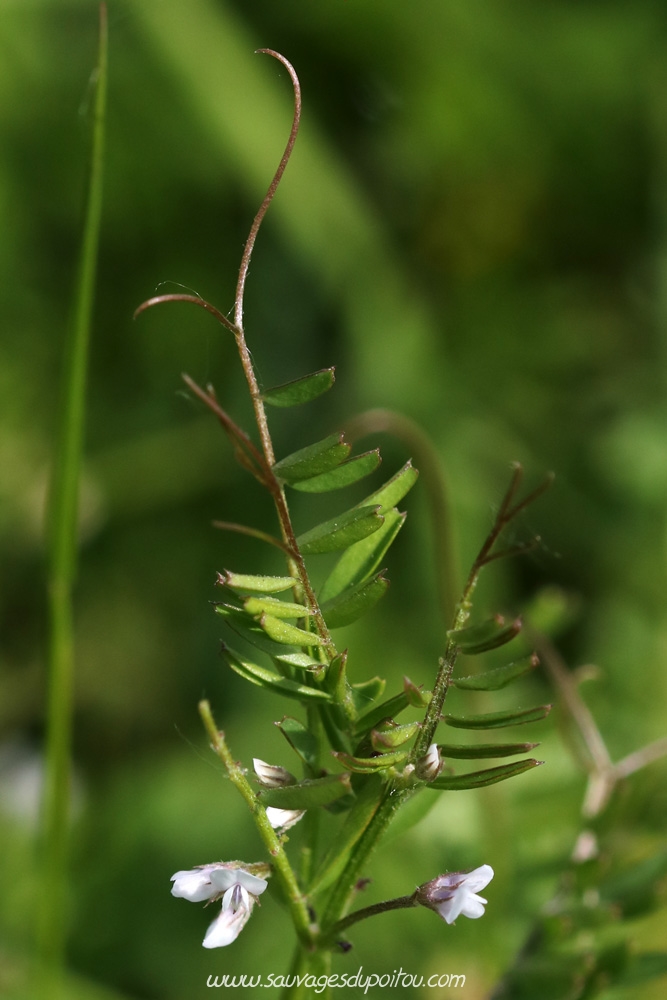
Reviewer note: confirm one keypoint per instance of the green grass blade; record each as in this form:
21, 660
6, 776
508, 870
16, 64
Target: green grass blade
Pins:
62, 557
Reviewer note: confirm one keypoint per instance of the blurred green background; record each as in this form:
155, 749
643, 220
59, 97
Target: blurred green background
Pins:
472, 229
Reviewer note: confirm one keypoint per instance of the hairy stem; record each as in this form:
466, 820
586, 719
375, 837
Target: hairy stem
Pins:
244, 353
296, 899
393, 798
399, 903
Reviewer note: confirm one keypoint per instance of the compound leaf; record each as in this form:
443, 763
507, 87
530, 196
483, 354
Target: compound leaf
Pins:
488, 635
345, 474
242, 583
369, 765
478, 779
313, 460
354, 602
301, 390
496, 720
300, 739
263, 677
257, 606
362, 559
477, 751
280, 631
493, 680
341, 531
307, 794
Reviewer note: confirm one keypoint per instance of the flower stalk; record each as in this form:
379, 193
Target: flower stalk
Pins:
296, 900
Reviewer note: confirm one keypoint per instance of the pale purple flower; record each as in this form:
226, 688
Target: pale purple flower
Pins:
238, 887
455, 894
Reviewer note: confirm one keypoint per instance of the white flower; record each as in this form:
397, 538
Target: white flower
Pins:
194, 885
272, 775
455, 894
238, 887
430, 765
283, 819
237, 904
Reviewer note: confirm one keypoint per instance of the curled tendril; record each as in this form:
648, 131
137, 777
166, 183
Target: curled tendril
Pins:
268, 198
236, 327
197, 300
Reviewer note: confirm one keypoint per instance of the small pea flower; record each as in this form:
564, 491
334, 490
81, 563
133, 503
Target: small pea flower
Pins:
272, 775
239, 886
455, 894
283, 819
429, 766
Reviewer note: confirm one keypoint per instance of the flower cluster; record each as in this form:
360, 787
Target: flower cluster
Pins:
235, 882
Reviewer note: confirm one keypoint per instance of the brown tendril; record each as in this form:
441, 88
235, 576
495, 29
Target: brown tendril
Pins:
268, 198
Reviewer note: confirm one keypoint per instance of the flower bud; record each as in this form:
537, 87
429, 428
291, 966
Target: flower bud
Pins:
429, 766
283, 819
272, 775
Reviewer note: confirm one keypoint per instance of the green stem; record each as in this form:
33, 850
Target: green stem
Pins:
296, 899
304, 965
244, 353
393, 798
62, 552
434, 710
399, 903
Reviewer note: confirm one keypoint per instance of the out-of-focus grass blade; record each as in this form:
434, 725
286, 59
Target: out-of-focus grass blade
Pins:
62, 556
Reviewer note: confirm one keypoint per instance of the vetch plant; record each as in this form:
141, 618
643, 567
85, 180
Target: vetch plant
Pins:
358, 763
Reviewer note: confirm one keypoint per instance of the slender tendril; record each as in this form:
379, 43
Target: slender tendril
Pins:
260, 465
243, 529
196, 300
259, 218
